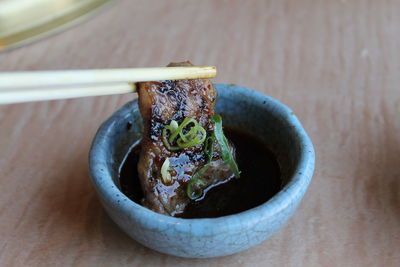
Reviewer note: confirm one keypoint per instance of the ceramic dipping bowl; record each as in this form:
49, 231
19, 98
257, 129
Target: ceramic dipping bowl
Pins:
274, 124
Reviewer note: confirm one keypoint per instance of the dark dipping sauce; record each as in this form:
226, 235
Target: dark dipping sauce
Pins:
260, 179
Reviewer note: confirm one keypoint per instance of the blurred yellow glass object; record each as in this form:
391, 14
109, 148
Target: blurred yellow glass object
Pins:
23, 21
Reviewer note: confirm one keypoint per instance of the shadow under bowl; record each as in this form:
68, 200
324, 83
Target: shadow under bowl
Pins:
274, 124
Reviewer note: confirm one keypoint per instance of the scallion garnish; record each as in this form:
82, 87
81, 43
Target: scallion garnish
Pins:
172, 127
227, 157
209, 148
193, 136
201, 171
223, 144
165, 175
193, 139
194, 188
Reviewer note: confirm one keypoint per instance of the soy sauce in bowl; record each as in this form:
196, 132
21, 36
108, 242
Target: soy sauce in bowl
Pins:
260, 179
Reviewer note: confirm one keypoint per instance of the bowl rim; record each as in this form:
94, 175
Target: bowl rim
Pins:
296, 185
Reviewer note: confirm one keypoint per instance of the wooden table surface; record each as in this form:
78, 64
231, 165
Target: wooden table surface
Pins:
335, 63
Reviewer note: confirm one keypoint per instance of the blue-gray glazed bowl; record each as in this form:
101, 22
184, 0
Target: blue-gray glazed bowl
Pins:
271, 121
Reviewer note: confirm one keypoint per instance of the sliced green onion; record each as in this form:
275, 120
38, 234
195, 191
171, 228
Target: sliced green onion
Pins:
226, 152
173, 125
196, 180
201, 171
223, 144
198, 140
196, 135
165, 175
192, 132
193, 189
165, 140
178, 130
209, 148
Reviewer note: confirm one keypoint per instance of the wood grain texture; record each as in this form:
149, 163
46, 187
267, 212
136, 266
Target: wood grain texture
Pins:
335, 63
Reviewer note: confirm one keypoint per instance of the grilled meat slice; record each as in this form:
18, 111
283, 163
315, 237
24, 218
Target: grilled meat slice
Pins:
159, 103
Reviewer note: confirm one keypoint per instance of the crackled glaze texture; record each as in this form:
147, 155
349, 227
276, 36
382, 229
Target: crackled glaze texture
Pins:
273, 122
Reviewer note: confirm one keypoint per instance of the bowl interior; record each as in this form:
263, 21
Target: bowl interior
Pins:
241, 108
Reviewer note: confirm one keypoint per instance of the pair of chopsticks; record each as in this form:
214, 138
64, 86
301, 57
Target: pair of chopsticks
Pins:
17, 87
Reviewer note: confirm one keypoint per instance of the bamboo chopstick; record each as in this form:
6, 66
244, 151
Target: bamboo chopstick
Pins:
9, 80
41, 94
17, 87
